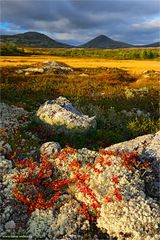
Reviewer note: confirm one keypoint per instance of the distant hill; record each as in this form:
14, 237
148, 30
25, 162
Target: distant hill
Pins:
156, 44
33, 39
103, 41
40, 40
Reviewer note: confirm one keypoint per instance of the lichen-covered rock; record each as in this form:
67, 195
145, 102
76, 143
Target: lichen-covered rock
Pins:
10, 225
50, 148
49, 65
33, 70
40, 222
5, 165
60, 116
46, 67
47, 223
137, 144
135, 219
148, 148
118, 192
153, 148
68, 221
10, 116
124, 203
126, 209
5, 148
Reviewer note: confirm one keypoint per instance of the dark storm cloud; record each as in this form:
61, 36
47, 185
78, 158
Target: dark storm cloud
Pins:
133, 21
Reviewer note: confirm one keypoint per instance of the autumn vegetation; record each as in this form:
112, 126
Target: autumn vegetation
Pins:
39, 185
108, 84
99, 85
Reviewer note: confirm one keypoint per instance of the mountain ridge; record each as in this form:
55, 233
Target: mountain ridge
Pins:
36, 39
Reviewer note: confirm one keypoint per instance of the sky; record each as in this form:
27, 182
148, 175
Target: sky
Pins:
78, 21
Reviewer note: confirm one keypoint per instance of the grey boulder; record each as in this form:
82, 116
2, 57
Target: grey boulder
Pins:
62, 117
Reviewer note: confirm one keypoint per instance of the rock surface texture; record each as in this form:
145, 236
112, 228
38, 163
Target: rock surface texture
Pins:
10, 116
61, 116
127, 202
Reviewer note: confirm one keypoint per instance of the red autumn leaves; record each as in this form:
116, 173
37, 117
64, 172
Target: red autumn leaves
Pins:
43, 177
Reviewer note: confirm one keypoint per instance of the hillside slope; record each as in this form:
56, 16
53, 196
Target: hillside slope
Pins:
103, 41
33, 39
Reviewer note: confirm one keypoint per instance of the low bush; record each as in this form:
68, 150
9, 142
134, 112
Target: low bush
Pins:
10, 49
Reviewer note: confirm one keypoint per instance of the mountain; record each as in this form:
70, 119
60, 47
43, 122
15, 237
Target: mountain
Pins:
156, 44
33, 39
103, 41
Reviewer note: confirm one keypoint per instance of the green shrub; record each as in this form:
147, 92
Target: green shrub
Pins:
141, 126
9, 49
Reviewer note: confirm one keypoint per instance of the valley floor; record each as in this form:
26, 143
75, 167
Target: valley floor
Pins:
133, 66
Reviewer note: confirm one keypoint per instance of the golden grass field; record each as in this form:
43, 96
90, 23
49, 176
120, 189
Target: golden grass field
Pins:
133, 66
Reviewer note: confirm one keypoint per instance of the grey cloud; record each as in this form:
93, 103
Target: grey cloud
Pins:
80, 20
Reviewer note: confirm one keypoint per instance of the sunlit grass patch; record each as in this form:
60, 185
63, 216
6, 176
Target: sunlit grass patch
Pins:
133, 66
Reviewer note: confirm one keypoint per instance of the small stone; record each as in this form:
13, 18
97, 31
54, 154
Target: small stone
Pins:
83, 75
50, 148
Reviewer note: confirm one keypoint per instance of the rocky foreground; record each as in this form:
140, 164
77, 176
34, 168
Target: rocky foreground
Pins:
110, 194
